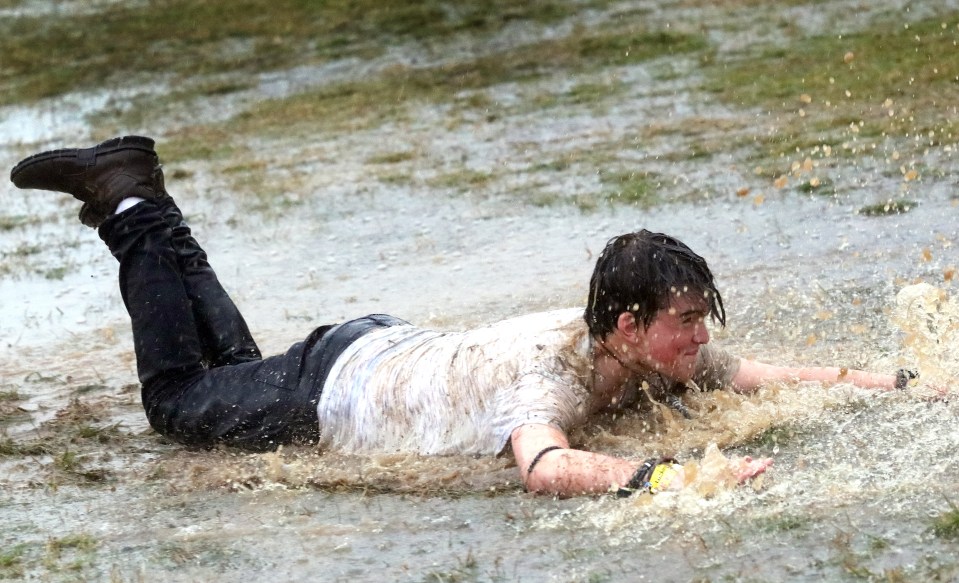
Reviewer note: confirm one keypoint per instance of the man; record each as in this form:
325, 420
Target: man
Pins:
378, 383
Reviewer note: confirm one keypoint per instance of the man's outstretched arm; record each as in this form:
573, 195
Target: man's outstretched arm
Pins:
753, 374
547, 465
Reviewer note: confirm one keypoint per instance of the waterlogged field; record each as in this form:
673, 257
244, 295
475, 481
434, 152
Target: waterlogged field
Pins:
457, 163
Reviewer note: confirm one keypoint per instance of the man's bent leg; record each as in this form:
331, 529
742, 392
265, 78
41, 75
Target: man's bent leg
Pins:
255, 405
224, 335
164, 331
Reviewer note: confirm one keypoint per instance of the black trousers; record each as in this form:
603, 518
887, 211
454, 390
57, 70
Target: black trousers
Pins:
203, 379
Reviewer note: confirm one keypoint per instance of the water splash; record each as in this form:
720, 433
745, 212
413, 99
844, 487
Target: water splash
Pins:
929, 320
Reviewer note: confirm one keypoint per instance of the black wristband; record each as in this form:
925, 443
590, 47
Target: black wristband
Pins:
640, 479
903, 376
539, 456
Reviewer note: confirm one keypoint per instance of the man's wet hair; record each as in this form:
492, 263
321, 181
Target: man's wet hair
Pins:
640, 273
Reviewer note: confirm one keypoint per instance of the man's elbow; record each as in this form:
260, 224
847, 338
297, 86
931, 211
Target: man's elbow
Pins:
534, 483
544, 481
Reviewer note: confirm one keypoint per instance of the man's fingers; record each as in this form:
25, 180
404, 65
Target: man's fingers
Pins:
749, 468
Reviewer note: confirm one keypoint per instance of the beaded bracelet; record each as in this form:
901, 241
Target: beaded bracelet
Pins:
539, 456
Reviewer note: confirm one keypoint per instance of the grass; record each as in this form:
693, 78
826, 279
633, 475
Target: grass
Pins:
889, 207
777, 435
852, 73
11, 560
11, 448
391, 157
785, 523
48, 55
11, 222
78, 550
946, 525
628, 187
69, 445
817, 186
462, 180
586, 93
83, 542
851, 91
222, 45
465, 570
375, 99
10, 395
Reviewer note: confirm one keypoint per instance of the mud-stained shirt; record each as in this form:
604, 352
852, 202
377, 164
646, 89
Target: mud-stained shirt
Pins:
409, 389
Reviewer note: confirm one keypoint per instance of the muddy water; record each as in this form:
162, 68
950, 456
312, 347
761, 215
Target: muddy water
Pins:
858, 479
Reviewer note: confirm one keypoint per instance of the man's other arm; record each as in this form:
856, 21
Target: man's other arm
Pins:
752, 374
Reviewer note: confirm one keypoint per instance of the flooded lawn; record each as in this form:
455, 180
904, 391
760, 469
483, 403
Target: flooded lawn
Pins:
469, 170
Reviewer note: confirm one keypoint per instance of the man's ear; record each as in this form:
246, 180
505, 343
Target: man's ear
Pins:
628, 326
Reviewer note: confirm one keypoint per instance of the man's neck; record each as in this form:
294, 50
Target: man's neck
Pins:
612, 372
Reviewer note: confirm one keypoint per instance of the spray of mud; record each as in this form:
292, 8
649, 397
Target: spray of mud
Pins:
841, 445
810, 419
929, 319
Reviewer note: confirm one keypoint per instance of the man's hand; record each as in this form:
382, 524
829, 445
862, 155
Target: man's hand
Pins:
747, 467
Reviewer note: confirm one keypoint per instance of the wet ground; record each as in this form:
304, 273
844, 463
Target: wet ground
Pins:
90, 493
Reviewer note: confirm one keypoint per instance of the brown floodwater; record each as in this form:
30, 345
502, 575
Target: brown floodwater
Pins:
859, 477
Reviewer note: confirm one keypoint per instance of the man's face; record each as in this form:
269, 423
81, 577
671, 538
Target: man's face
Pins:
671, 343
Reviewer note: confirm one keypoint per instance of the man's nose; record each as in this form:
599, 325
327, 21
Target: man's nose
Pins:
701, 335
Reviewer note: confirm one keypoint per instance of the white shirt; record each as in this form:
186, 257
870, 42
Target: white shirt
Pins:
407, 389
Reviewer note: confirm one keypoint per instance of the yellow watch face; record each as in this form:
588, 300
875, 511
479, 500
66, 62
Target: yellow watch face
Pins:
663, 475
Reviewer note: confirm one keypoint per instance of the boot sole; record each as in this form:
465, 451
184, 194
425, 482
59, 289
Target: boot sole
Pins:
114, 145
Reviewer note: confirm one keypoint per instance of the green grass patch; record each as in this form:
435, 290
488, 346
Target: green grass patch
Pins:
371, 101
83, 542
817, 187
11, 561
391, 157
24, 250
11, 395
9, 411
200, 143
784, 523
776, 435
861, 69
585, 93
556, 165
11, 448
73, 552
633, 188
108, 434
11, 222
946, 525
850, 92
55, 273
50, 55
890, 207
11, 557
462, 180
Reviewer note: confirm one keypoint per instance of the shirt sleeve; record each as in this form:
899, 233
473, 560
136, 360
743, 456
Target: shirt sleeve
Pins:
715, 368
544, 397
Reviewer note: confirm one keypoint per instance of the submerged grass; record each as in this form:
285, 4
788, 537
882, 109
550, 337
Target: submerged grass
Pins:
890, 207
51, 54
946, 525
630, 188
850, 72
357, 104
851, 91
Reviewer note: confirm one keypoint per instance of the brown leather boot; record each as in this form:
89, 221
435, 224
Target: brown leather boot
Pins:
100, 176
